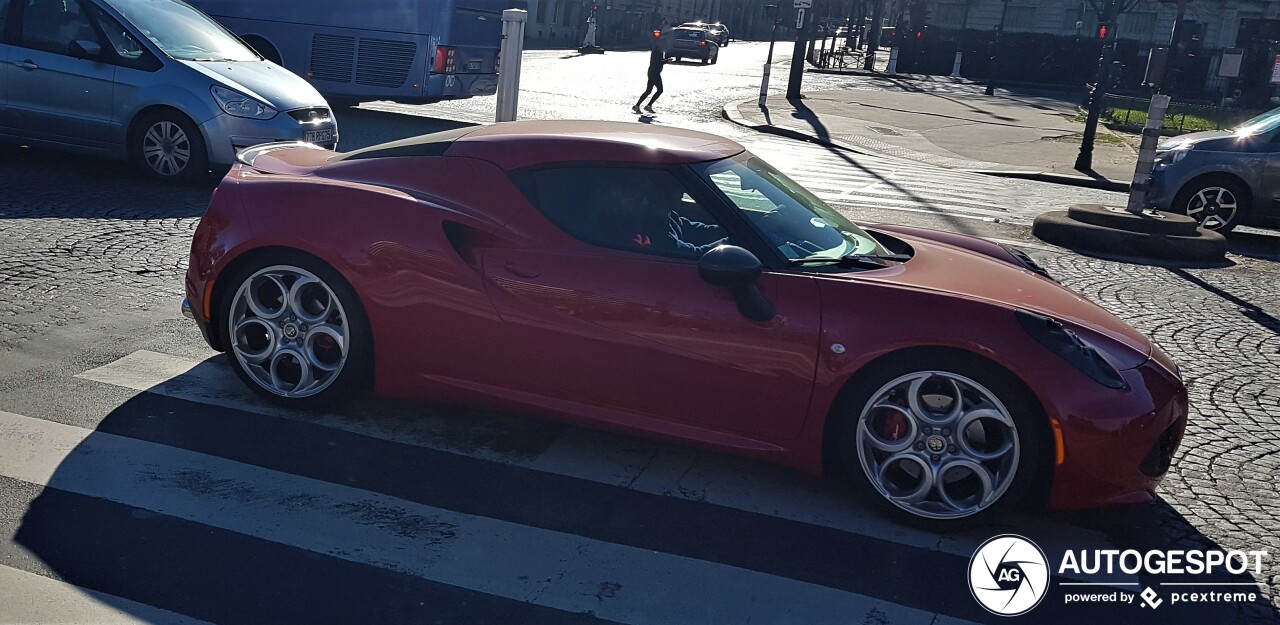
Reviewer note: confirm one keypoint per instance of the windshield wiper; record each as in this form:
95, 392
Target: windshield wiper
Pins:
849, 260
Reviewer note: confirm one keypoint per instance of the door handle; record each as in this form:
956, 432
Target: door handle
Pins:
519, 271
26, 64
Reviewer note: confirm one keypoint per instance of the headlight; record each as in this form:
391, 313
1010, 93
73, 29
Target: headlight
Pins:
1169, 157
238, 104
1070, 347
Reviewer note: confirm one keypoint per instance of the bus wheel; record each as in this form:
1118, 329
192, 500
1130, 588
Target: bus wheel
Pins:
264, 48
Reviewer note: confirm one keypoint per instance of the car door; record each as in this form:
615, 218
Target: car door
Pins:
5, 9
53, 95
607, 319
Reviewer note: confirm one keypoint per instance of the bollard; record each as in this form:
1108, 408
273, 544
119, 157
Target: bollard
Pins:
1147, 153
513, 21
893, 61
955, 69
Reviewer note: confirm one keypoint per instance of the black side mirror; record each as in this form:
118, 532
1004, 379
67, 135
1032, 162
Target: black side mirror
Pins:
84, 49
729, 265
738, 269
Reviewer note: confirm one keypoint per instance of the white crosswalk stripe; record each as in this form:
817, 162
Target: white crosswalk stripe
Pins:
846, 179
158, 464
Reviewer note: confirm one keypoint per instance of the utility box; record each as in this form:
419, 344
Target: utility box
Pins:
1229, 67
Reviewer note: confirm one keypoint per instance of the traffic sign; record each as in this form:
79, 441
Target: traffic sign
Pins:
804, 4
799, 18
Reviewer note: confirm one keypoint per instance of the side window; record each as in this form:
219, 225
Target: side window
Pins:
126, 47
51, 25
642, 210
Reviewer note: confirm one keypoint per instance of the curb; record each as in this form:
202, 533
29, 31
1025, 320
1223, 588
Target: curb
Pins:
1058, 228
731, 113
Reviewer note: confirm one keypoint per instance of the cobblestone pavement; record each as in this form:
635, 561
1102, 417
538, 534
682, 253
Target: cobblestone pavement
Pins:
1222, 327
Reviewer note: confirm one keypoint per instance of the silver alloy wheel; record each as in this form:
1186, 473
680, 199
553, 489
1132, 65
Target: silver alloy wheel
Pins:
166, 148
938, 444
289, 331
1214, 207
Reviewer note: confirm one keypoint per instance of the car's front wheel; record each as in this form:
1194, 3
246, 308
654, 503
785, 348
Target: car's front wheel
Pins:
296, 332
942, 440
1217, 203
169, 147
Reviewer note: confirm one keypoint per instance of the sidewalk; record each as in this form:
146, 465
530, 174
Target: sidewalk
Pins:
950, 123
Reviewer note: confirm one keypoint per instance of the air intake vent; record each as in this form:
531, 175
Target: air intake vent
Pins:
332, 58
384, 63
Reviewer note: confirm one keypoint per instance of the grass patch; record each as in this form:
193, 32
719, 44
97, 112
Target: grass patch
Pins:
1187, 122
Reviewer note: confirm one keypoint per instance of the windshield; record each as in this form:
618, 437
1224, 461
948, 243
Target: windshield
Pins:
791, 219
183, 32
1263, 123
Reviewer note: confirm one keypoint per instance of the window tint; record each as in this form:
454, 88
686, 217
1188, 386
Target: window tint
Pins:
4, 16
643, 210
52, 25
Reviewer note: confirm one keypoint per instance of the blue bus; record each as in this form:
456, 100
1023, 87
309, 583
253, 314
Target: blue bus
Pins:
411, 51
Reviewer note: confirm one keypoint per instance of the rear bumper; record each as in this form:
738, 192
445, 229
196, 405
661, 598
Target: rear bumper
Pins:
1121, 456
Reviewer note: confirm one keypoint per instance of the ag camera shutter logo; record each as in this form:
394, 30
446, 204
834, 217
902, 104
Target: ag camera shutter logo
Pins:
1008, 575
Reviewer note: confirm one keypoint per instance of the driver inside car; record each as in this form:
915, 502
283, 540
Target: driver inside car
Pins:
660, 225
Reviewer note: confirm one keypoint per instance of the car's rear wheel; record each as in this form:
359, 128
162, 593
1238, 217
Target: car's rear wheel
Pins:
942, 441
715, 58
1218, 203
706, 58
167, 146
296, 332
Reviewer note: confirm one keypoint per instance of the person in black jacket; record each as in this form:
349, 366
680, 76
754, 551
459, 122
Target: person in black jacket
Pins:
657, 58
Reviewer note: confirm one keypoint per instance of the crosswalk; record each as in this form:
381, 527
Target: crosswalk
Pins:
844, 179
192, 501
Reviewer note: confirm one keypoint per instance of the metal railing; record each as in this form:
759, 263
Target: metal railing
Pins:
1130, 114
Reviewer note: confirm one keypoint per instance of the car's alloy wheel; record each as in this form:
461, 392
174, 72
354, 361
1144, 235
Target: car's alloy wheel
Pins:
938, 445
1215, 206
290, 334
167, 146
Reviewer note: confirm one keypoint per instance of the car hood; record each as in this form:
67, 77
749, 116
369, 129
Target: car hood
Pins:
1208, 140
950, 269
266, 81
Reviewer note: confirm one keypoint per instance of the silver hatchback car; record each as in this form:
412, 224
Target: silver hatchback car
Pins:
1222, 178
154, 81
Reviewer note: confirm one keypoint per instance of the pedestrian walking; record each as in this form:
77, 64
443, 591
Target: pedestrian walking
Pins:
657, 58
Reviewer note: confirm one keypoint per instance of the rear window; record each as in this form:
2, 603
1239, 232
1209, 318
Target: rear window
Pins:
690, 34
477, 27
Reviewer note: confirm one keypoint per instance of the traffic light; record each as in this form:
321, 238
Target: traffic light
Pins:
1102, 32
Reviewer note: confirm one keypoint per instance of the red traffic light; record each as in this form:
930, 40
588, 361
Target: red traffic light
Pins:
1102, 31
657, 33
919, 34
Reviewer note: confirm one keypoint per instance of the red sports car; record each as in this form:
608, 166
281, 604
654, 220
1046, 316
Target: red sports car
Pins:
669, 283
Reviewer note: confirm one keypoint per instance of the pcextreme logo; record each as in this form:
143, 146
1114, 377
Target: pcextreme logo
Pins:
1008, 575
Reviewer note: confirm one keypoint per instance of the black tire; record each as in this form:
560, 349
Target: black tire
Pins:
715, 59
1029, 484
355, 377
175, 135
1188, 200
706, 58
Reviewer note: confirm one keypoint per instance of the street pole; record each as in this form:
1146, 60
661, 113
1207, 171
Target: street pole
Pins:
797, 56
995, 51
772, 11
513, 21
1107, 21
873, 38
1172, 55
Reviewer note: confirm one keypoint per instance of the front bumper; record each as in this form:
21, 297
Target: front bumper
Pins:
1119, 456
226, 135
1160, 191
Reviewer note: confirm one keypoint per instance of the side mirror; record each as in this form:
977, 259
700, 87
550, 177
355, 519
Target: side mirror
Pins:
738, 269
84, 49
729, 265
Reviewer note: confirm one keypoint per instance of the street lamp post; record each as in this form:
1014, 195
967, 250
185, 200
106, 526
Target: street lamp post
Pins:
803, 20
995, 51
772, 11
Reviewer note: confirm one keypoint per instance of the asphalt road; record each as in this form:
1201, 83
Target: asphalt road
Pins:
139, 481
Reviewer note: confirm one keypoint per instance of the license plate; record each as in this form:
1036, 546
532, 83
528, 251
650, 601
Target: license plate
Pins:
320, 136
473, 65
